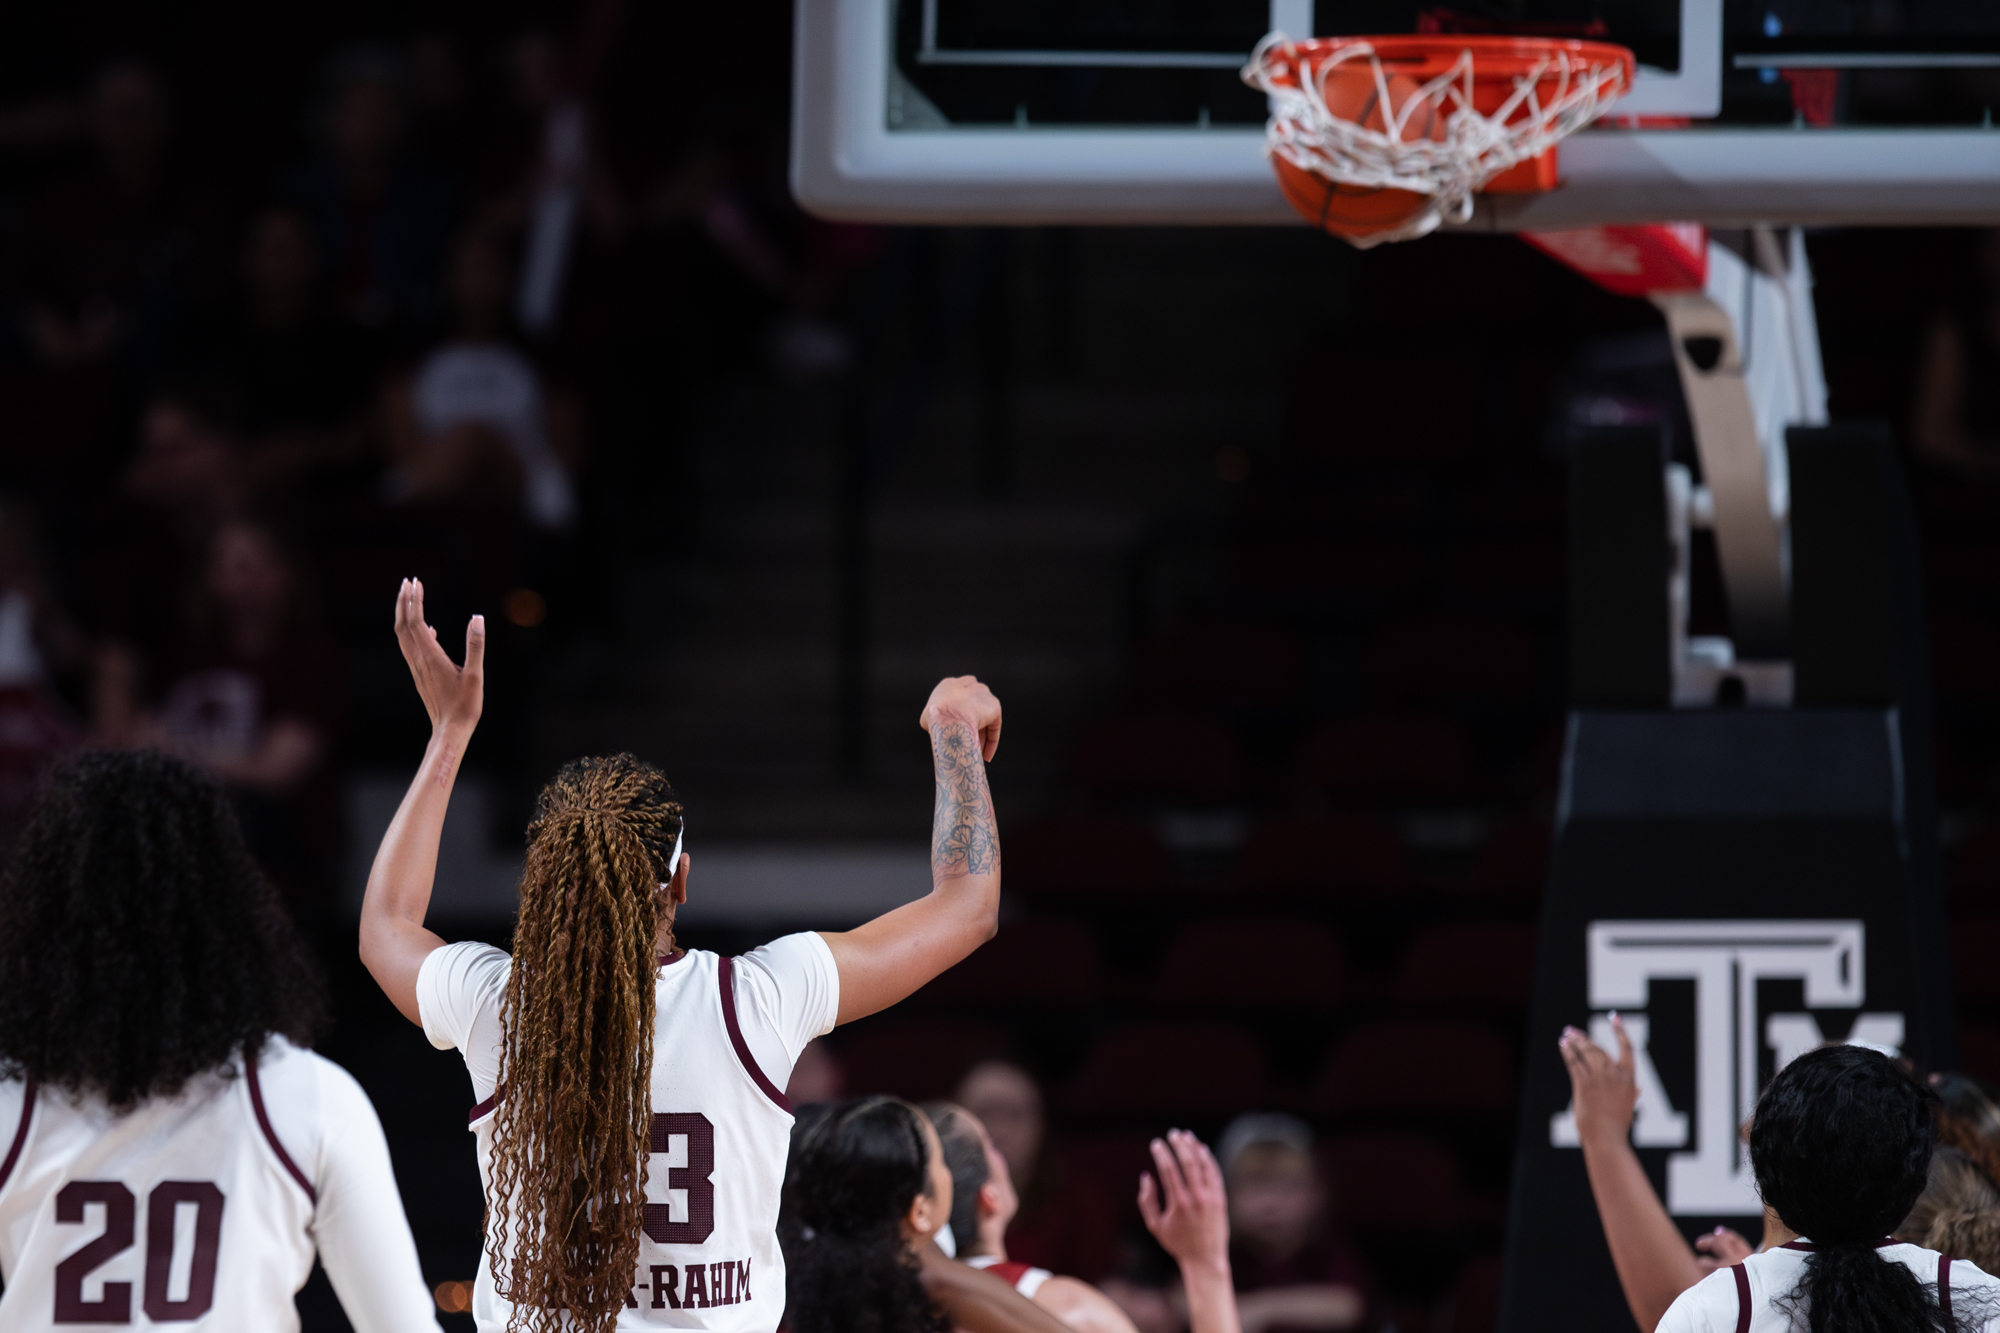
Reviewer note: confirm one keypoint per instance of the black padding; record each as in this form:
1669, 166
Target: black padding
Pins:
1619, 560
1844, 556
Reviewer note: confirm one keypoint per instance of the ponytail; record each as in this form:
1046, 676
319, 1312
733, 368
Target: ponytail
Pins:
1852, 1288
573, 1133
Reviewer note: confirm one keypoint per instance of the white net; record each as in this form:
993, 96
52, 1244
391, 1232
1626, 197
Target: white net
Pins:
1428, 139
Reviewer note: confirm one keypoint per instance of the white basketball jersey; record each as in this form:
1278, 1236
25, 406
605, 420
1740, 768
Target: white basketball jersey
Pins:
191, 1211
721, 1135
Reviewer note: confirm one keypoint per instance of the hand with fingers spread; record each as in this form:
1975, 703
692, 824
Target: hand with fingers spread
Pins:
1184, 1205
1182, 1200
453, 695
1605, 1090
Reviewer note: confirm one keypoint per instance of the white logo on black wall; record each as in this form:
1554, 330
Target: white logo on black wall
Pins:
1725, 960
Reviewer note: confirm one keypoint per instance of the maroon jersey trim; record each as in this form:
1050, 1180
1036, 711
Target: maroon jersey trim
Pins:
1742, 1298
726, 972
264, 1123
1944, 1285
20, 1132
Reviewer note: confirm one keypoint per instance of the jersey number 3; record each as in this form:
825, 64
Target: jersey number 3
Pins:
163, 1206
693, 1177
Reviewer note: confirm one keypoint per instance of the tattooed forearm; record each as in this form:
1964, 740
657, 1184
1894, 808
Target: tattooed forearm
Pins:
964, 840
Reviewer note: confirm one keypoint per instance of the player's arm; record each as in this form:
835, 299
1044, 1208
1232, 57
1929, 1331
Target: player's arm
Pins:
1188, 1213
394, 942
977, 1302
358, 1222
891, 956
1083, 1307
1655, 1264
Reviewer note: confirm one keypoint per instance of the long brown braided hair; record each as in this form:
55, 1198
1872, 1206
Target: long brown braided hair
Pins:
571, 1138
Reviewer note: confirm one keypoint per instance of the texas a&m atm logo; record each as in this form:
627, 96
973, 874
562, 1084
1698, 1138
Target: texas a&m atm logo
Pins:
1745, 1026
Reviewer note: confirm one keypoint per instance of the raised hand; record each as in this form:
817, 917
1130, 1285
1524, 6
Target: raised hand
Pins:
453, 695
965, 698
1604, 1090
1182, 1200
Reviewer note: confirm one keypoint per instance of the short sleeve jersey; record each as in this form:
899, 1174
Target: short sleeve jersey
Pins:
726, 1034
202, 1211
1751, 1297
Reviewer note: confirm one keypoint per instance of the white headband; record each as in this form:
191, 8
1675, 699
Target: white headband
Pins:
674, 861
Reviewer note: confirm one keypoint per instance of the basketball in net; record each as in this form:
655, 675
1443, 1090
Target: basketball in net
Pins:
1383, 138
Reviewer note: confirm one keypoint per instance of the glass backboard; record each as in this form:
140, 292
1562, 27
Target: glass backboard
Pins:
1123, 111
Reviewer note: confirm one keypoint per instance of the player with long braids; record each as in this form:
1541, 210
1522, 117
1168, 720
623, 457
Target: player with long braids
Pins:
631, 1131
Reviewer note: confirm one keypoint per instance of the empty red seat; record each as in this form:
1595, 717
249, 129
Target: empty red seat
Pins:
1204, 662
1965, 653
1975, 959
1346, 855
1393, 1181
1082, 858
1349, 573
1979, 1050
915, 1058
1513, 865
1392, 757
1447, 657
1975, 871
1164, 758
1417, 1067
1169, 1069
1275, 963
1037, 961
1475, 1302
1488, 963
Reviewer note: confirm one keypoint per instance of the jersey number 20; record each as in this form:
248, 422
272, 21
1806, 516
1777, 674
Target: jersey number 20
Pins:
162, 1205
694, 1178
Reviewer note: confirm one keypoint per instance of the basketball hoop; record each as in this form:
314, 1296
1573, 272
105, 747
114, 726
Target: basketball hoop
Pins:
1383, 138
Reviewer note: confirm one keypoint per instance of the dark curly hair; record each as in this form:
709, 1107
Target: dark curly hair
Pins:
139, 943
1841, 1145
855, 1169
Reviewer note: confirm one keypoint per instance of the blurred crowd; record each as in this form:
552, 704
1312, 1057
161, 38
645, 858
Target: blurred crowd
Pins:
240, 401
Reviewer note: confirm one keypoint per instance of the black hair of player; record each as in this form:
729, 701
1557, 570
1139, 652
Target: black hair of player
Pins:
140, 945
965, 1159
1841, 1145
856, 1167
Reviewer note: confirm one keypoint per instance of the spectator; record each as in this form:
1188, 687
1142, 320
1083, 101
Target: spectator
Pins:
1841, 1146
1291, 1270
302, 376
475, 425
383, 218
1066, 1224
252, 695
38, 643
111, 253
